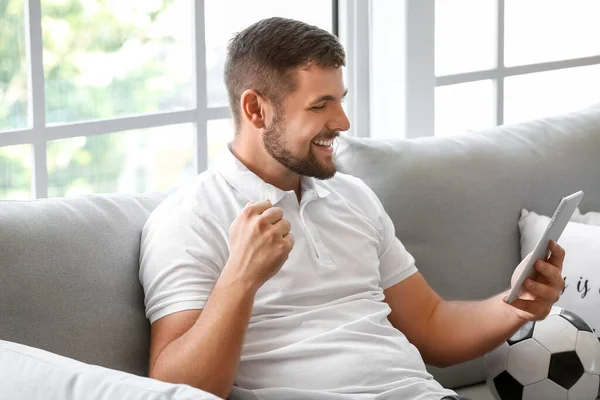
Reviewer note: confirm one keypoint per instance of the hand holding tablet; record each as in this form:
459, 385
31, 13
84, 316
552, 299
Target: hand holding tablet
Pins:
557, 224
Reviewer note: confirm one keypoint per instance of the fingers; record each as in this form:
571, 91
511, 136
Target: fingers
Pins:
548, 289
557, 256
258, 207
272, 215
289, 239
551, 272
542, 291
283, 227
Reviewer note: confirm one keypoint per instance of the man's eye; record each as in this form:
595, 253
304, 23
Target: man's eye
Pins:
318, 107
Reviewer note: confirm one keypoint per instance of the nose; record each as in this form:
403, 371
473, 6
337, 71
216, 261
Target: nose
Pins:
340, 121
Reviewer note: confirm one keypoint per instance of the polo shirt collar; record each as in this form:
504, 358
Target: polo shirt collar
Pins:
254, 188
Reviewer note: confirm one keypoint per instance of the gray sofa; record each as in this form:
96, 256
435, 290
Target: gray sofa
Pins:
69, 266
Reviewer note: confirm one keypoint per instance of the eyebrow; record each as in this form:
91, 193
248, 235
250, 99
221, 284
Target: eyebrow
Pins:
327, 97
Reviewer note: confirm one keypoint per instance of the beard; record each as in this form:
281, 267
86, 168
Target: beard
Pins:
274, 142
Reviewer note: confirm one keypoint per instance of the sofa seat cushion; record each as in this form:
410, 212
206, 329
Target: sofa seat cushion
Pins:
479, 391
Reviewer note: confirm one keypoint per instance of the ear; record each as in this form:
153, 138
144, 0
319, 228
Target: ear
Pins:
253, 107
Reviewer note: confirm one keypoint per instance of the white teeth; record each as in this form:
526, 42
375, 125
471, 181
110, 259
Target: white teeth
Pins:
323, 142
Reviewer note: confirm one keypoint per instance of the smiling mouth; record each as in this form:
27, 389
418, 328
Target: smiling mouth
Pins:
324, 143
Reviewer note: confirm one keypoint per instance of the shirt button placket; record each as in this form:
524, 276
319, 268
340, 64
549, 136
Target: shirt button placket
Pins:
322, 252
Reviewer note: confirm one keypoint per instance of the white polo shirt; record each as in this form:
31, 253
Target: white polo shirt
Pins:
319, 327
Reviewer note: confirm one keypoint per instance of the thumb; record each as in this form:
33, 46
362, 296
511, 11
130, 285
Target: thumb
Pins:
519, 269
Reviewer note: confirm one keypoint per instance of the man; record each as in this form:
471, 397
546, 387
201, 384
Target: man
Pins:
273, 277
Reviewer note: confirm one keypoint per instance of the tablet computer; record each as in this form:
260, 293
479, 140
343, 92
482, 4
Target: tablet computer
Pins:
557, 224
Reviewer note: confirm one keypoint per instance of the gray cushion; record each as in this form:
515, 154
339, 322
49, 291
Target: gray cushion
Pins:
34, 374
70, 283
455, 201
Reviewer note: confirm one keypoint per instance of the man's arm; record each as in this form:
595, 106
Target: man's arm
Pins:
450, 332
207, 355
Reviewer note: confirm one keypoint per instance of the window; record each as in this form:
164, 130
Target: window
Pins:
541, 94
538, 31
110, 96
507, 61
15, 172
465, 107
465, 41
220, 132
13, 69
106, 59
446, 67
134, 161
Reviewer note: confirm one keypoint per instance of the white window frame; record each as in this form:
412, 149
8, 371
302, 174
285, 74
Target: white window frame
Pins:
354, 32
39, 134
421, 80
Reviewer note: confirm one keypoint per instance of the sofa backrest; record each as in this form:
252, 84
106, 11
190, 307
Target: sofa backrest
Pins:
69, 277
455, 201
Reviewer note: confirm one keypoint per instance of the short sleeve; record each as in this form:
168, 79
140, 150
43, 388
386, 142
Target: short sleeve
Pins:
395, 262
182, 255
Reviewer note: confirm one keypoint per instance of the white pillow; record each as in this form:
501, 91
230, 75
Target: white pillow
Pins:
34, 374
581, 267
590, 218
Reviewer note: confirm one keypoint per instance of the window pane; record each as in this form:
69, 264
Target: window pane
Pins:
110, 58
134, 161
15, 172
465, 107
13, 69
222, 22
220, 132
465, 36
542, 30
549, 93
387, 67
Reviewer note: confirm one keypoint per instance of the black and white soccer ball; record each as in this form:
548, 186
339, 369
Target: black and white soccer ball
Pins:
557, 358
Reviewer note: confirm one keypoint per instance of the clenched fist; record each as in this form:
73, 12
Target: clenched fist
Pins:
260, 243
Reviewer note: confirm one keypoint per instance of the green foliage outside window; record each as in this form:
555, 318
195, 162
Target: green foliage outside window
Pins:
80, 37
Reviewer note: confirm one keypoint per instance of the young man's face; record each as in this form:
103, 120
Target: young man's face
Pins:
302, 132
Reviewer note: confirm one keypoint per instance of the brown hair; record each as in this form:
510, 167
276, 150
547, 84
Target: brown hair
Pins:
262, 57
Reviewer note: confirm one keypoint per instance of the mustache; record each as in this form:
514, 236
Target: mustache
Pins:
327, 135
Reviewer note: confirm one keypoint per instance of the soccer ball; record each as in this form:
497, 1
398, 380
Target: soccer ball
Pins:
556, 358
